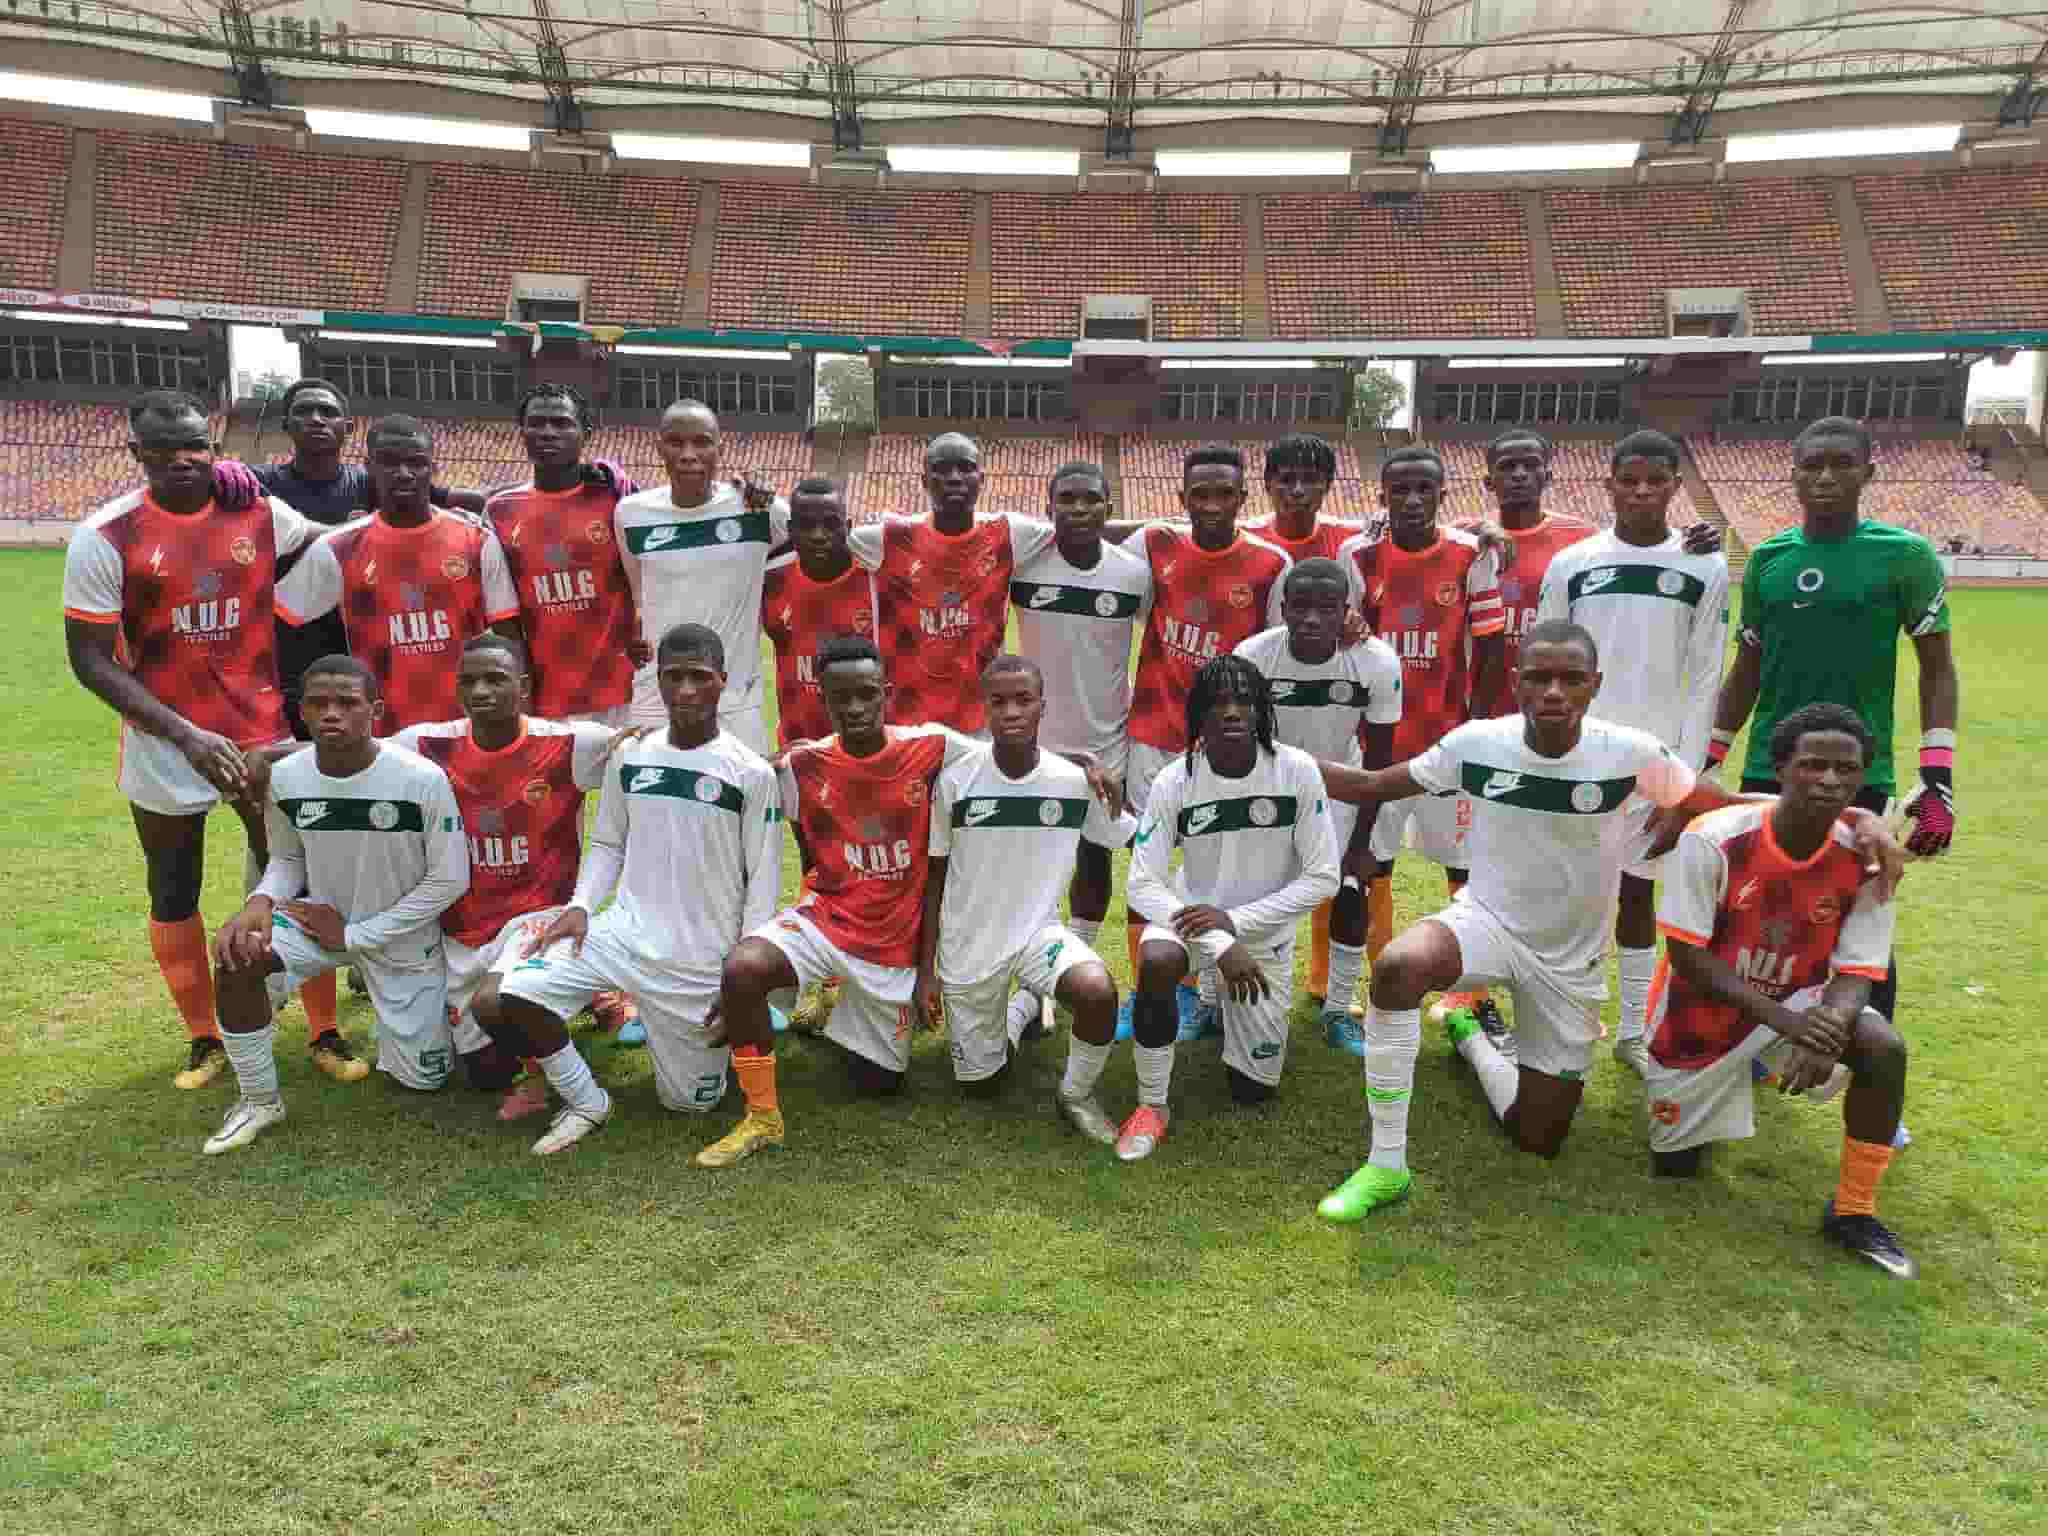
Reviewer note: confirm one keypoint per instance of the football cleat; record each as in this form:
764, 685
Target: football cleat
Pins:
1364, 1192
632, 1032
1497, 1029
1087, 1117
1441, 1010
1142, 1133
814, 1009
570, 1126
249, 1119
331, 1054
758, 1129
208, 1060
612, 1011
1197, 1020
1869, 1238
1123, 1016
528, 1096
1633, 1052
1343, 1032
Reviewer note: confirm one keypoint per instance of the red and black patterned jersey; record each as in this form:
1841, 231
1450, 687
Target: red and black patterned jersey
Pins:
411, 598
1520, 585
799, 615
1783, 925
1325, 543
866, 823
1428, 604
575, 608
192, 594
1205, 604
522, 807
942, 608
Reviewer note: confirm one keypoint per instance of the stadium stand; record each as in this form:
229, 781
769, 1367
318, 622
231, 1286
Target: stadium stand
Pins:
60, 461
35, 160
1618, 248
1442, 264
630, 235
1960, 248
824, 258
1050, 251
243, 223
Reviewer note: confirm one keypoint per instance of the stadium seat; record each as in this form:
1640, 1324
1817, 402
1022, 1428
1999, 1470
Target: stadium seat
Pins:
1049, 251
35, 159
1960, 249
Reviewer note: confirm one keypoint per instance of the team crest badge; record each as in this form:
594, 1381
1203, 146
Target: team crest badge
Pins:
1664, 1111
383, 815
1049, 813
913, 792
707, 789
1671, 583
986, 565
1264, 813
536, 791
1810, 580
1827, 910
1105, 605
243, 550
1340, 692
455, 567
728, 530
1446, 594
1241, 595
1586, 798
598, 531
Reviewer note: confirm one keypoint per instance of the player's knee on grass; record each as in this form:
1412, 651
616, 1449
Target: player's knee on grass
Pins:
870, 1079
1541, 1117
1089, 993
1247, 1090
490, 1068
1685, 1163
986, 1087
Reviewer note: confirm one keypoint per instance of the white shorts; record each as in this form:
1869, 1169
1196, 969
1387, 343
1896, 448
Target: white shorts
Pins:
468, 967
154, 775
1343, 821
1141, 767
1557, 1015
689, 1072
414, 1041
976, 1013
1254, 1034
872, 1017
1689, 1106
1440, 823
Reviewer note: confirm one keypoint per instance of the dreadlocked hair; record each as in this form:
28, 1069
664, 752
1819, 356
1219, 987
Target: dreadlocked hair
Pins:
1238, 677
586, 413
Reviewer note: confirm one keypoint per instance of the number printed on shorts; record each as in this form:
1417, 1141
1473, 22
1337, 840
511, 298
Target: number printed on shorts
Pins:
710, 1088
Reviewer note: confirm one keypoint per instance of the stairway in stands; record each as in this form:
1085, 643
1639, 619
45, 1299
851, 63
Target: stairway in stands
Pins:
1708, 508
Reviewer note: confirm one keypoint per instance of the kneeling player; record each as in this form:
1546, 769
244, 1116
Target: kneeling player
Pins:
371, 833
1773, 941
688, 832
1007, 826
1258, 854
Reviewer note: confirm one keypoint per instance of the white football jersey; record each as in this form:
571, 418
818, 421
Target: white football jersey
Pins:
1078, 625
1261, 848
1010, 846
692, 839
1548, 837
1660, 618
1319, 706
384, 847
699, 565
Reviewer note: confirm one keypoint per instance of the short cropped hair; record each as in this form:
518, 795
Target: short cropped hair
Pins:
699, 640
584, 411
845, 648
1563, 632
818, 485
1837, 426
1301, 450
1212, 453
491, 640
163, 402
1820, 716
338, 665
1007, 663
1093, 471
1414, 453
299, 387
398, 425
1645, 444
1315, 569
1500, 440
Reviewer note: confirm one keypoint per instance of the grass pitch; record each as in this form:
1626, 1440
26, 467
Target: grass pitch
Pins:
940, 1316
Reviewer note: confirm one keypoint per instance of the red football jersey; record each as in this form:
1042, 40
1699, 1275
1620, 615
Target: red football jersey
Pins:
1205, 603
1427, 604
575, 608
522, 807
866, 822
799, 615
410, 598
1520, 585
193, 596
1326, 543
1782, 924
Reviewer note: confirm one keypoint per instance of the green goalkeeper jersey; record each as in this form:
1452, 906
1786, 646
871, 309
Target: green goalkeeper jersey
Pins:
1826, 616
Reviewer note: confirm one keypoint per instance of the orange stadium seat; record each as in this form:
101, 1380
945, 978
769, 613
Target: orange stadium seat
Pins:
1444, 264
1960, 248
1618, 248
244, 223
1049, 251
35, 159
840, 259
630, 235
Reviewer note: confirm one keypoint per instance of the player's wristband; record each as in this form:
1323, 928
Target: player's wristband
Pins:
1938, 759
1718, 746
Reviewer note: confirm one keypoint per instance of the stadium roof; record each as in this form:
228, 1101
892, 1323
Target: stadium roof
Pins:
1082, 70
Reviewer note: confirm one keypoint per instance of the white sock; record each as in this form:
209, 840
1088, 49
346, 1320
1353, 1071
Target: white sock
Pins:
569, 1075
1025, 1008
1155, 1071
1393, 1037
469, 1035
1084, 1068
1346, 965
1638, 969
1207, 989
1086, 929
255, 1060
1500, 1078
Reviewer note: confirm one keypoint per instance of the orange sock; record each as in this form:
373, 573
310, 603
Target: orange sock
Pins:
180, 950
322, 1012
1379, 916
1132, 933
1319, 949
755, 1069
1863, 1164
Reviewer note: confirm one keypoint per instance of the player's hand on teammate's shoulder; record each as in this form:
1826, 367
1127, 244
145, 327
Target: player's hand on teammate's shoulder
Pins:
571, 923
610, 476
235, 486
1356, 631
758, 497
243, 942
624, 737
1496, 541
1702, 538
324, 924
1105, 785
1242, 976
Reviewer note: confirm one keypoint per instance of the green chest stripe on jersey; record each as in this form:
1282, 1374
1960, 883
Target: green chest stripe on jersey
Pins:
1253, 813
332, 815
1536, 792
1637, 581
1318, 693
680, 784
699, 533
1020, 811
1080, 602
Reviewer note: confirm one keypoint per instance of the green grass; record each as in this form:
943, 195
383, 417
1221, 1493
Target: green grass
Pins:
940, 1316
